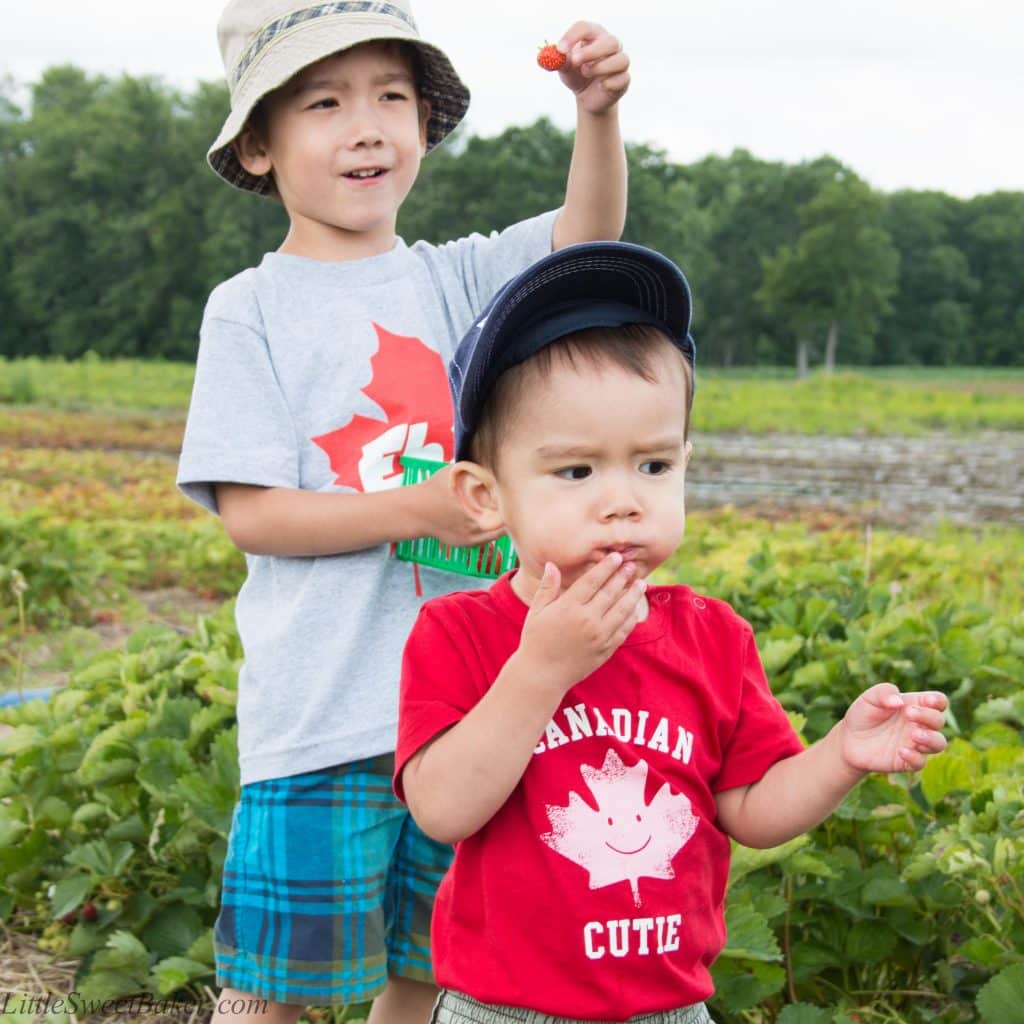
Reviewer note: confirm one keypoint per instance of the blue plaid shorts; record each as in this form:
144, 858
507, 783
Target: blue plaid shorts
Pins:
328, 888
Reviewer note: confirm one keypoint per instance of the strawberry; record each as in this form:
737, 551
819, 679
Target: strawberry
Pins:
550, 57
89, 912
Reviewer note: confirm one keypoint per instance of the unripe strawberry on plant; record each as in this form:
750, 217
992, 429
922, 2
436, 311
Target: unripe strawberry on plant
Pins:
550, 57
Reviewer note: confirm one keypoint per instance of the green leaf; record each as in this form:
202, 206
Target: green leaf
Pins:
740, 986
983, 950
11, 830
868, 942
101, 858
54, 812
777, 654
23, 738
957, 770
750, 936
804, 1013
746, 860
69, 893
888, 892
171, 974
1002, 999
173, 930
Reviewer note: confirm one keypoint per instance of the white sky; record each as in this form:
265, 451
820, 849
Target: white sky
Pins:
909, 93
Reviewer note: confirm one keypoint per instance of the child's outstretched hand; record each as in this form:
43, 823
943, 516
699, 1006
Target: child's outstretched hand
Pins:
889, 731
596, 69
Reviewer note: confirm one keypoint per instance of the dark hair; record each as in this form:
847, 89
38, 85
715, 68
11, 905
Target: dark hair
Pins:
629, 346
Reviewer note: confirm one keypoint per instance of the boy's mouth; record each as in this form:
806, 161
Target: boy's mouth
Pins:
366, 172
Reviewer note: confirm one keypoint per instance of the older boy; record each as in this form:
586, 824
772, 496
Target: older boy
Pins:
590, 743
316, 371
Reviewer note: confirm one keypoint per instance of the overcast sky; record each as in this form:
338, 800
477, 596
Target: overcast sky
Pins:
909, 93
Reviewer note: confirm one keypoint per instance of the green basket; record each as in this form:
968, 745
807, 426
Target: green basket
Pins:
488, 560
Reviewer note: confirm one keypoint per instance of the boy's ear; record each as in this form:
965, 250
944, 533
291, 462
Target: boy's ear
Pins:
252, 152
474, 486
687, 452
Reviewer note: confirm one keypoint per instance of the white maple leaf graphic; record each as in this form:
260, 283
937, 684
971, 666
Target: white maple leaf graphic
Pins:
625, 839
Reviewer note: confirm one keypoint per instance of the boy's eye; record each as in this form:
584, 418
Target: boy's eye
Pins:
323, 104
655, 467
395, 96
574, 472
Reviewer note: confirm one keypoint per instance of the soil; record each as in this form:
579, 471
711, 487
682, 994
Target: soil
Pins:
895, 481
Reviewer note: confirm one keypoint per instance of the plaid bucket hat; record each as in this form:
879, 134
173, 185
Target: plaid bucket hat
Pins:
265, 42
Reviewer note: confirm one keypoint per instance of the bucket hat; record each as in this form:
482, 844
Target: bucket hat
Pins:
265, 42
594, 284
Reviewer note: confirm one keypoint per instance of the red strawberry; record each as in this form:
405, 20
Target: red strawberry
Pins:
550, 57
69, 918
89, 912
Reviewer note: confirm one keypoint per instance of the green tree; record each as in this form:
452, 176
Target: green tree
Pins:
930, 319
11, 326
752, 206
842, 269
991, 235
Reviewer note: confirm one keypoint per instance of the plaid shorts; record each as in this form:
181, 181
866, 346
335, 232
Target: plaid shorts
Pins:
328, 888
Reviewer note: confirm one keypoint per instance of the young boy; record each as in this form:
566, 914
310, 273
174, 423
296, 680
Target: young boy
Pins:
317, 370
589, 742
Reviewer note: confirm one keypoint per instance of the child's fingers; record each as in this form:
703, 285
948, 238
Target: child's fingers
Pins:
548, 589
580, 32
586, 588
927, 698
595, 49
913, 760
624, 614
616, 64
927, 718
928, 741
883, 695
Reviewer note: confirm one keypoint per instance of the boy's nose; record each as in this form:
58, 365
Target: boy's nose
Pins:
364, 129
619, 501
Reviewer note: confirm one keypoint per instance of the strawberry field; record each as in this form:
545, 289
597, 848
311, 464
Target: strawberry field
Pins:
116, 790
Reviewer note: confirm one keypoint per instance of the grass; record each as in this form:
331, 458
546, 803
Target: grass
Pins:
131, 404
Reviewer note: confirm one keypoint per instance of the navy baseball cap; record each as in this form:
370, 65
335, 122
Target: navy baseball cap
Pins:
595, 284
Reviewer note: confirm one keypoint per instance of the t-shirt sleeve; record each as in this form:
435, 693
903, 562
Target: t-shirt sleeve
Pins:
763, 733
485, 262
239, 427
441, 681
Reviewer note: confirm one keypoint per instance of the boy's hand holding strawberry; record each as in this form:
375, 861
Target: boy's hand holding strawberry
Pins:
595, 68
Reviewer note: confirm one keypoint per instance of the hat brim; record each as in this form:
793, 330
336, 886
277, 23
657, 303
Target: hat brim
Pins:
441, 86
588, 285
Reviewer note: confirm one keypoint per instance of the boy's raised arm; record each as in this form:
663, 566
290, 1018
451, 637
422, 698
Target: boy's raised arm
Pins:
884, 730
597, 71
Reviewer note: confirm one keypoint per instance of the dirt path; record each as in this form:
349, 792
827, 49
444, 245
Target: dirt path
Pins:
900, 481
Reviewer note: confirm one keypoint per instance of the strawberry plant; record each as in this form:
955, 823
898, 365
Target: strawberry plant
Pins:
905, 906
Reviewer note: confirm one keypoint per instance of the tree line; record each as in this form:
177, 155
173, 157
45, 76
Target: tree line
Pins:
113, 231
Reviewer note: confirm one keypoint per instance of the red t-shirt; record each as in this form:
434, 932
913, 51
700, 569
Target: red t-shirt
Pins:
596, 890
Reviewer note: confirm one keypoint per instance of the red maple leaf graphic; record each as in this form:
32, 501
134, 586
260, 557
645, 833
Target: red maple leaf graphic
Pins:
409, 383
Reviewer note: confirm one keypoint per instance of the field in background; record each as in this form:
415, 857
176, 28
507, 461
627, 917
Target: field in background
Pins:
111, 582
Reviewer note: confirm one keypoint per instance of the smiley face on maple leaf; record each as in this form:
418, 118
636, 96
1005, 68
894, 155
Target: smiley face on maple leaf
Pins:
625, 839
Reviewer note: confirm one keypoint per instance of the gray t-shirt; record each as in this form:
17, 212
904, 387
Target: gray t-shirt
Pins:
319, 375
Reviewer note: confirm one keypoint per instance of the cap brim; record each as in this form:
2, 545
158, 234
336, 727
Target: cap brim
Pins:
608, 277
